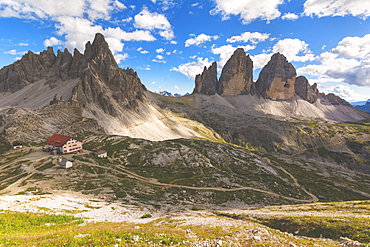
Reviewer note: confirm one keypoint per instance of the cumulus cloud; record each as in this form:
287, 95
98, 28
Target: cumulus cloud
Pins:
150, 21
35, 9
201, 38
254, 38
159, 57
290, 48
353, 47
176, 87
192, 69
76, 21
290, 16
348, 62
260, 60
346, 93
167, 34
14, 52
322, 8
145, 67
142, 51
160, 50
52, 41
248, 10
226, 51
120, 57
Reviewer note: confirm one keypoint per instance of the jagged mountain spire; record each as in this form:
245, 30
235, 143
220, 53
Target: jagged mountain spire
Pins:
276, 80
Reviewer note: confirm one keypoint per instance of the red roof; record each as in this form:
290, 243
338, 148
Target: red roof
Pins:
58, 140
97, 152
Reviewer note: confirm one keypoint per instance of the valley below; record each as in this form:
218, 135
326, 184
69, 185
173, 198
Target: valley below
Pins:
180, 193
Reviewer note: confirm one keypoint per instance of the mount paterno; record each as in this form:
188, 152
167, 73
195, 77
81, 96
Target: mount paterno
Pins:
121, 104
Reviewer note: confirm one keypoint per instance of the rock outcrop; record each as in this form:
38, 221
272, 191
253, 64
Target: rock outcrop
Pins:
276, 80
103, 83
206, 83
333, 99
237, 75
305, 91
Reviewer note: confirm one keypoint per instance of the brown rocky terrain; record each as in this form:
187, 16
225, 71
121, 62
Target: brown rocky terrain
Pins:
93, 82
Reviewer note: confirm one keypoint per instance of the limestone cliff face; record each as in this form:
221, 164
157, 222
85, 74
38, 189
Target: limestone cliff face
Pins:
206, 83
30, 68
103, 83
305, 91
276, 80
237, 75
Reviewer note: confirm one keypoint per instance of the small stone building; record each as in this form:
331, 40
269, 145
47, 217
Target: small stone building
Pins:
100, 153
64, 163
17, 145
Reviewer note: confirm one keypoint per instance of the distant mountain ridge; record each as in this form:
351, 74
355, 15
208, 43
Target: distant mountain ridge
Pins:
365, 107
167, 93
277, 81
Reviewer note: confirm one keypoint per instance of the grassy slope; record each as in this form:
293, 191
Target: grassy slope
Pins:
26, 229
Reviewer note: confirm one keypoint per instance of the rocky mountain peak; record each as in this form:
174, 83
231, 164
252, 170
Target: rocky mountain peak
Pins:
206, 83
305, 91
237, 75
276, 80
103, 83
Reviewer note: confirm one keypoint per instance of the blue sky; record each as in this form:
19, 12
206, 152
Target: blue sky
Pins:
168, 42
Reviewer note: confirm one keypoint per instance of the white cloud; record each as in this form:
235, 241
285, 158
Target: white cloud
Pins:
346, 93
52, 41
353, 47
167, 34
176, 87
201, 38
138, 35
145, 67
290, 16
254, 37
142, 51
260, 60
35, 9
322, 8
290, 48
76, 21
192, 69
248, 10
160, 50
23, 44
159, 60
120, 57
173, 42
349, 62
159, 57
226, 51
15, 52
151, 21
153, 82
